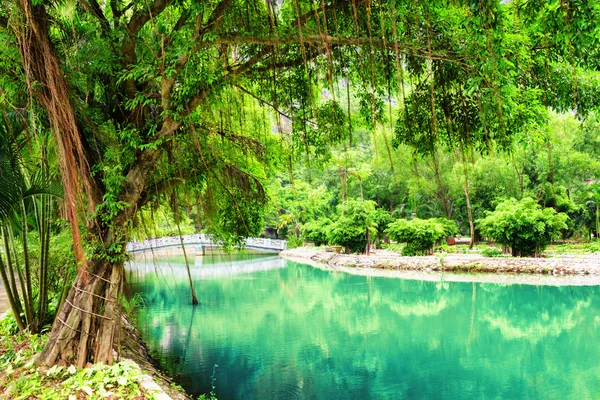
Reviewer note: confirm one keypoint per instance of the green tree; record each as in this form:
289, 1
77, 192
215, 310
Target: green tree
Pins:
524, 226
317, 231
355, 226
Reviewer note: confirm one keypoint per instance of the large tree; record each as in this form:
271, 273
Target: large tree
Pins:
145, 96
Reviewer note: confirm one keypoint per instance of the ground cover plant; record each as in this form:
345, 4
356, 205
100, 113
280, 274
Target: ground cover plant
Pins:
22, 379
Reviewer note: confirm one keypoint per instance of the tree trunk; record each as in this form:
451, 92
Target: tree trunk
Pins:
84, 329
597, 219
470, 215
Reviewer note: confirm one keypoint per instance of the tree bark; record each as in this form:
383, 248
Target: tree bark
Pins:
84, 328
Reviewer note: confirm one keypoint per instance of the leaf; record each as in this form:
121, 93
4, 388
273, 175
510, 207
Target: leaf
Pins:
52, 370
88, 390
72, 370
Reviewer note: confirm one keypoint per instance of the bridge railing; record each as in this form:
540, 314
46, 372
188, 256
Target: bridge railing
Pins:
202, 239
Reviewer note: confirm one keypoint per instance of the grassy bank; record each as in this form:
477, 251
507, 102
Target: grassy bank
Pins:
21, 379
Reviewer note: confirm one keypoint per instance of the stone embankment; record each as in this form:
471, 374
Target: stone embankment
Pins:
584, 268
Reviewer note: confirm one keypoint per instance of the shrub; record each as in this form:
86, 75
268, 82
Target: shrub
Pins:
523, 226
449, 226
294, 241
350, 229
382, 219
491, 252
419, 235
316, 231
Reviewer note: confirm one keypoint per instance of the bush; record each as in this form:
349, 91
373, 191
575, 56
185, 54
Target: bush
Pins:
351, 228
382, 219
419, 235
523, 226
294, 241
316, 231
449, 226
491, 252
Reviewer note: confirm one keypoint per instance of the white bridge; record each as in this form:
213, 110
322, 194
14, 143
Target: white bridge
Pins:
202, 241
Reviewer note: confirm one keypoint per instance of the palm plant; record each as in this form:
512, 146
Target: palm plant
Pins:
26, 205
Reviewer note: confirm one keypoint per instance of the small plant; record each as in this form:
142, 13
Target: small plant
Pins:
491, 252
136, 302
294, 241
396, 247
211, 395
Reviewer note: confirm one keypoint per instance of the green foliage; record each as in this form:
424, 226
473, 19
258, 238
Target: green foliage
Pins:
350, 229
382, 219
419, 234
28, 222
316, 231
491, 252
523, 225
294, 241
24, 380
160, 221
449, 226
17, 348
130, 306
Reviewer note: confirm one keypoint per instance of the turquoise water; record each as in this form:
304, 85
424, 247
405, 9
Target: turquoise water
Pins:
267, 328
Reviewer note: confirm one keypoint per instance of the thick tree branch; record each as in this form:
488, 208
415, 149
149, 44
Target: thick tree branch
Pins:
142, 16
294, 62
168, 83
136, 23
94, 8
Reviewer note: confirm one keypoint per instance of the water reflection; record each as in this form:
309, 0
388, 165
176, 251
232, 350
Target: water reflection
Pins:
279, 329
